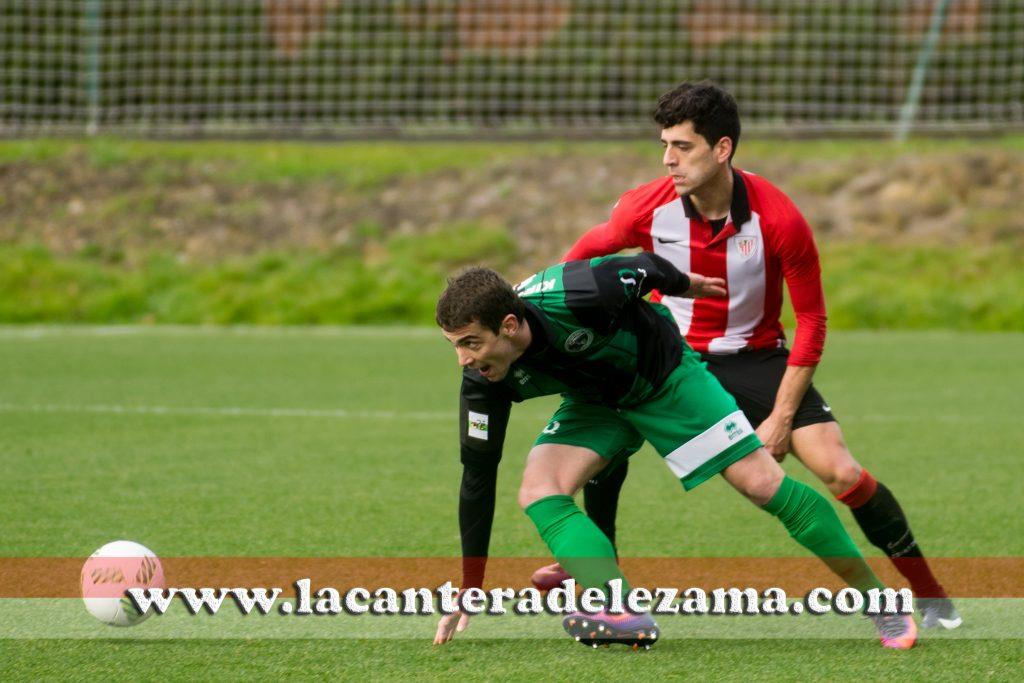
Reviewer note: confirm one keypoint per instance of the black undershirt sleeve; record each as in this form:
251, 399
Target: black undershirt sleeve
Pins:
483, 418
624, 278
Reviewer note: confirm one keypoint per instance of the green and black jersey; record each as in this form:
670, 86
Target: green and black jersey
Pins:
593, 335
594, 338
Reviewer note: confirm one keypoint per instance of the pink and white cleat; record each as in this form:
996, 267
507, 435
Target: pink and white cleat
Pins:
896, 631
549, 577
603, 629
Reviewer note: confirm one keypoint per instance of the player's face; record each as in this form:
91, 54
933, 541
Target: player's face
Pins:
488, 353
690, 160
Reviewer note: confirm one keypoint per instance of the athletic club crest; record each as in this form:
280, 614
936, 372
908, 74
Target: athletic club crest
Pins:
579, 340
746, 246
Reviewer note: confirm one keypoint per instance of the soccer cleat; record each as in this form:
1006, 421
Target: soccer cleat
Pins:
549, 577
897, 631
938, 612
603, 629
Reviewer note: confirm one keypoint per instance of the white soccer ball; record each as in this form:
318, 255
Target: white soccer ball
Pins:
112, 570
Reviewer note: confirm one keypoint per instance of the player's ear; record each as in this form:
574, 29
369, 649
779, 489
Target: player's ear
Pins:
509, 324
723, 149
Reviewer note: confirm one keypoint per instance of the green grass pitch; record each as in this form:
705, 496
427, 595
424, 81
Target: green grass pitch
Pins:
342, 442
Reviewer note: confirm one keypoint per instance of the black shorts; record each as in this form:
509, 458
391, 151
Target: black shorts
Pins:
753, 378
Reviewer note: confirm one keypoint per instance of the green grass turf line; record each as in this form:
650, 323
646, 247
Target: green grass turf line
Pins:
363, 164
799, 660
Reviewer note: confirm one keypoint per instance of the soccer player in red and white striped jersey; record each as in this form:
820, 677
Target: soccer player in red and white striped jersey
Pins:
707, 217
760, 240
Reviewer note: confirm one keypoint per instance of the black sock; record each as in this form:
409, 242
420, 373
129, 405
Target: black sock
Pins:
601, 501
886, 527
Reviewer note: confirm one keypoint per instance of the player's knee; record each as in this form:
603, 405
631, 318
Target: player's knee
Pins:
757, 476
529, 494
843, 477
763, 487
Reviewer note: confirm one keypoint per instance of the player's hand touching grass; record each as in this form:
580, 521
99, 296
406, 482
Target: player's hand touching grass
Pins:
701, 286
449, 625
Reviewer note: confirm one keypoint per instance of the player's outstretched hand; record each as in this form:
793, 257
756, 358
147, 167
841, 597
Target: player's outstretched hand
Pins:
701, 286
449, 625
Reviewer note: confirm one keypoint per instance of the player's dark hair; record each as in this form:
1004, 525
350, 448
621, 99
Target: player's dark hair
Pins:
711, 109
477, 295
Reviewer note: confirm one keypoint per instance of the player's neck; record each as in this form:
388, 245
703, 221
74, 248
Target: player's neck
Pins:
714, 198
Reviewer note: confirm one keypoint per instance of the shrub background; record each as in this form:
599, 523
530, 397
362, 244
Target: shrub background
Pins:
930, 235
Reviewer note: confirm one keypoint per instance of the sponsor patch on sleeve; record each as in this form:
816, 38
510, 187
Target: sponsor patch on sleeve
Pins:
478, 425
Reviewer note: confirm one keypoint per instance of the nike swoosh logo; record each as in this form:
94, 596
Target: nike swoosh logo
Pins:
664, 241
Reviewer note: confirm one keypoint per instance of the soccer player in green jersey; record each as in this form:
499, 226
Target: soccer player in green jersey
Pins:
582, 329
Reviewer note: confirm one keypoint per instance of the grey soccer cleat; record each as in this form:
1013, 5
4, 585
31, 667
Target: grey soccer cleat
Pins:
935, 612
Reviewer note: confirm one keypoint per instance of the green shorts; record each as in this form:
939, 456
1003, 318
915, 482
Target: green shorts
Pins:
691, 421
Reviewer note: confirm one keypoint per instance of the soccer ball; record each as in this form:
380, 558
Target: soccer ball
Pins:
113, 569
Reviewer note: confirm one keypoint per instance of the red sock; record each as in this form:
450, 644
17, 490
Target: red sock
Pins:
861, 492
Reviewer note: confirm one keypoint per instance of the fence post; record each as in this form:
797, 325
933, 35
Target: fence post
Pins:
93, 20
909, 110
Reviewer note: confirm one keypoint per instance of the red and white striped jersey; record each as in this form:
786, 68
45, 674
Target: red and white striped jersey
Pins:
765, 241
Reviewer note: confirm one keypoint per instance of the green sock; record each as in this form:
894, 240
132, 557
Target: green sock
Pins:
815, 525
579, 546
